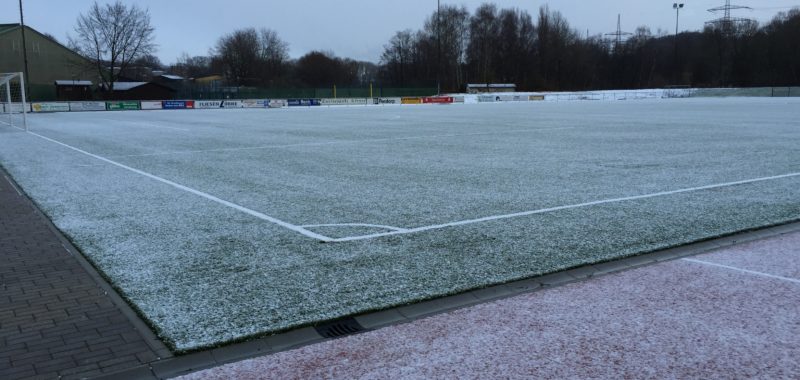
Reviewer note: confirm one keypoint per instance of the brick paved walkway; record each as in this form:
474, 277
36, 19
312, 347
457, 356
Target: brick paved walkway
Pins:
57, 317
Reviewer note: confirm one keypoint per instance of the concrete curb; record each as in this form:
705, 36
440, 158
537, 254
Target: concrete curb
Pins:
171, 367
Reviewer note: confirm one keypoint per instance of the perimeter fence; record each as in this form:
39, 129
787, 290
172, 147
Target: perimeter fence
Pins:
302, 93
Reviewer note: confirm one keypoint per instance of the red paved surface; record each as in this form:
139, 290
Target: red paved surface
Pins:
680, 319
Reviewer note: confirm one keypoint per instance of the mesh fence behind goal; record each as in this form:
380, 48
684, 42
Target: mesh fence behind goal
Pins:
13, 105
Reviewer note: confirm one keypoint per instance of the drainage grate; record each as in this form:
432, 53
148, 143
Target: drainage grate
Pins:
339, 328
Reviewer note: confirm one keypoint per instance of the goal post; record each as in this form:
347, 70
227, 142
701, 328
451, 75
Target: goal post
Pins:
13, 102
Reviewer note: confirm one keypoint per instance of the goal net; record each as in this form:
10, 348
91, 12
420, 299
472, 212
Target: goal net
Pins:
13, 104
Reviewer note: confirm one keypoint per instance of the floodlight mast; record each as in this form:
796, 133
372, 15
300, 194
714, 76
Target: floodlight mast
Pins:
439, 47
24, 44
677, 7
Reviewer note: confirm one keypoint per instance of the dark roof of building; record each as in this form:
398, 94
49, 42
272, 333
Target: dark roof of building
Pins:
7, 27
73, 83
491, 85
127, 86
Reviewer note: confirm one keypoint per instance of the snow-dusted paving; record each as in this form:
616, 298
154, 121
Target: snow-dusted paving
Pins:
212, 222
677, 320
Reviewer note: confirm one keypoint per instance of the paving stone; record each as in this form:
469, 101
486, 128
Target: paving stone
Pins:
50, 319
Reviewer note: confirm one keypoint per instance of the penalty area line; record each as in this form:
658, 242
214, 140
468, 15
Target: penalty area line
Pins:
187, 189
567, 207
338, 142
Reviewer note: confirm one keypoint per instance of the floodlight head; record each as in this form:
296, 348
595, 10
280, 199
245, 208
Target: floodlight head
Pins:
677, 5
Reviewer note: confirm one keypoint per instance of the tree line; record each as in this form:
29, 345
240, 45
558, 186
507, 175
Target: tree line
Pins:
456, 47
544, 52
260, 58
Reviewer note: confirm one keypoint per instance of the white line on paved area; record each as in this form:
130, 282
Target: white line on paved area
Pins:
340, 142
210, 197
567, 207
762, 274
12, 185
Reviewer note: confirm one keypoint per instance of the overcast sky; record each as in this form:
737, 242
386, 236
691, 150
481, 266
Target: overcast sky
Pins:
356, 28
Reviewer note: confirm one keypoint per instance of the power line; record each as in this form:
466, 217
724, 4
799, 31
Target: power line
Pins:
619, 34
727, 23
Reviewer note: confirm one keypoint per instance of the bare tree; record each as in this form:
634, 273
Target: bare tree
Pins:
192, 67
397, 57
112, 37
240, 54
252, 57
449, 28
483, 27
324, 69
274, 55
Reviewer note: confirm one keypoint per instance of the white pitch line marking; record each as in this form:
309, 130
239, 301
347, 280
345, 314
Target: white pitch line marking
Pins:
340, 142
762, 274
385, 227
145, 125
12, 125
210, 197
567, 207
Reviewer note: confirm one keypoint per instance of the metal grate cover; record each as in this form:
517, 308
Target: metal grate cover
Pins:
339, 328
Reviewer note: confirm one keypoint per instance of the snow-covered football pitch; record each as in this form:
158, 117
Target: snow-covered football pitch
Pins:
221, 225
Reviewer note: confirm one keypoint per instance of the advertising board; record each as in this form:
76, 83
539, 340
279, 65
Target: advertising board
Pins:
255, 103
536, 98
15, 107
385, 101
501, 98
87, 106
411, 101
277, 103
123, 106
303, 102
177, 104
438, 100
50, 107
151, 105
512, 98
206, 104
344, 102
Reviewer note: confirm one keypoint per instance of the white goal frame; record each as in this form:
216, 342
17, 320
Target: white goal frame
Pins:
7, 102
